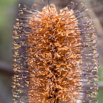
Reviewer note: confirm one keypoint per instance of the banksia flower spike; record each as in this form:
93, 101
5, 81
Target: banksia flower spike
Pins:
55, 56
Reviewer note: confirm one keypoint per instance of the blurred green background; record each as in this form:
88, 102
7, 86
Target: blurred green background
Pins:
8, 13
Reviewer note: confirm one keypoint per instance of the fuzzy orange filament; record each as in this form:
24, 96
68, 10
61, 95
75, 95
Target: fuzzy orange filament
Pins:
54, 61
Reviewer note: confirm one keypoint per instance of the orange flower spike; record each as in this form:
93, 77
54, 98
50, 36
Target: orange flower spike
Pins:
55, 87
56, 57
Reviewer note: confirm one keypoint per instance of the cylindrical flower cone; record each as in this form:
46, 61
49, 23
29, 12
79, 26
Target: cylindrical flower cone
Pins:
55, 56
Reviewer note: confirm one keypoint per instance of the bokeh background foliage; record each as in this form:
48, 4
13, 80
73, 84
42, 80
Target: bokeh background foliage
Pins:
8, 13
